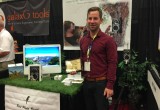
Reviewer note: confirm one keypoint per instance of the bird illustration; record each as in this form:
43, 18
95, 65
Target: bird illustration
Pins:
27, 99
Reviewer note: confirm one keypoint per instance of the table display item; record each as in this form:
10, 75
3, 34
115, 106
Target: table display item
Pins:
35, 72
73, 65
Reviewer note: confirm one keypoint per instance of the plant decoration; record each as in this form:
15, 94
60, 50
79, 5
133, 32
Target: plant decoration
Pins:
134, 76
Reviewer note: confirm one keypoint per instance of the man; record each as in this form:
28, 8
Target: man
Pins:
7, 54
99, 63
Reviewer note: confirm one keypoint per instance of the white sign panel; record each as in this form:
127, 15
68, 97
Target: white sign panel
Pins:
155, 89
17, 98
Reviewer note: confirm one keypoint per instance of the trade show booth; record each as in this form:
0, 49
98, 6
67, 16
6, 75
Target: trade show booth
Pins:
39, 32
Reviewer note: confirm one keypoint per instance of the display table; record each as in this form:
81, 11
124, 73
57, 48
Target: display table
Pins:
70, 96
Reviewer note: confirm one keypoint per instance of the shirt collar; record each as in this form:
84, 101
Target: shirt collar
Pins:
98, 34
3, 29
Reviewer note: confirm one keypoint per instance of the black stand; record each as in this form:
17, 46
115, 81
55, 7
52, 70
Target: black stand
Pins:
118, 100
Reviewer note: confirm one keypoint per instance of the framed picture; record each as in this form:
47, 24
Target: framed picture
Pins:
35, 72
73, 65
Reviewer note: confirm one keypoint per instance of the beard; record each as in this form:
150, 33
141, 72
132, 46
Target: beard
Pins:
93, 28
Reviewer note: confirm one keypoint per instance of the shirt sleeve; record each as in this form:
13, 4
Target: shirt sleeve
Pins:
111, 62
5, 46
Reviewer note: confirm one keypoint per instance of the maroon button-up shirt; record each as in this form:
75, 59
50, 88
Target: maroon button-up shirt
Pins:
103, 57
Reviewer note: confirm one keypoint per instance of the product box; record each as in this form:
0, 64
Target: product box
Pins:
35, 72
15, 70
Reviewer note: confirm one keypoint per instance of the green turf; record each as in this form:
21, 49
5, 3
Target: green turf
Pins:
45, 85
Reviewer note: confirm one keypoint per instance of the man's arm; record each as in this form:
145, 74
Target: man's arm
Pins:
112, 66
112, 60
2, 54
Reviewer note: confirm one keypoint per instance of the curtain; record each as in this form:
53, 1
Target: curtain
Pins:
145, 29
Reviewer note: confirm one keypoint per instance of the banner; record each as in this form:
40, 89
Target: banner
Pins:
116, 21
17, 98
31, 18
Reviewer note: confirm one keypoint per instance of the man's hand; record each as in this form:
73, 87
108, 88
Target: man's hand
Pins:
2, 54
108, 92
73, 73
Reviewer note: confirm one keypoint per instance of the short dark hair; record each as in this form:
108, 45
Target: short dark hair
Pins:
95, 9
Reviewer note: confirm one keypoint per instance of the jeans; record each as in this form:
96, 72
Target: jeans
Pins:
93, 95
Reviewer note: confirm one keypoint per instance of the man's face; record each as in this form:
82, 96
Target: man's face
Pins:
94, 21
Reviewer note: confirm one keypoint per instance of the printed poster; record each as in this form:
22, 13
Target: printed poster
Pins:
116, 21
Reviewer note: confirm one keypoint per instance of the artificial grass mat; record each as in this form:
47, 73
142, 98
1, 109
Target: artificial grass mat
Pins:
47, 84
